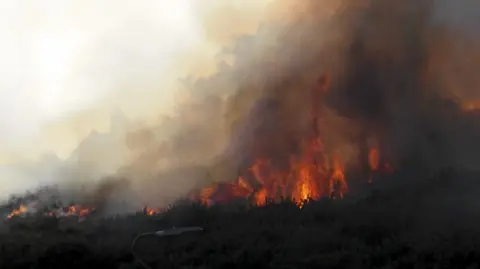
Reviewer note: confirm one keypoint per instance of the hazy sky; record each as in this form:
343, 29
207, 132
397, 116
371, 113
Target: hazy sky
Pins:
61, 56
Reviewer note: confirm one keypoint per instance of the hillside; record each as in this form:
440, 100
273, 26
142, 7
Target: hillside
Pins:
433, 224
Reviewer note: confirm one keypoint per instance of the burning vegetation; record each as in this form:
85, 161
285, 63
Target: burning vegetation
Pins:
58, 211
312, 173
341, 99
48, 202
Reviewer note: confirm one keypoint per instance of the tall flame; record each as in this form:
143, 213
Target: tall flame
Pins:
311, 175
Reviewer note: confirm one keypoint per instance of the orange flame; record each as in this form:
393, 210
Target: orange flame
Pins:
306, 178
74, 210
374, 159
151, 211
22, 209
82, 212
309, 176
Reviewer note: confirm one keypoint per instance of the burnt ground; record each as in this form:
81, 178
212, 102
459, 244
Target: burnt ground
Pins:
427, 224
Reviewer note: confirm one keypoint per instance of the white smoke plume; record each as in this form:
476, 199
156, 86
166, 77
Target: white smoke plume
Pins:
66, 65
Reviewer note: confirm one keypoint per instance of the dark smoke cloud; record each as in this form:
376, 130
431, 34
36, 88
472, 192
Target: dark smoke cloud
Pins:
388, 85
379, 57
391, 66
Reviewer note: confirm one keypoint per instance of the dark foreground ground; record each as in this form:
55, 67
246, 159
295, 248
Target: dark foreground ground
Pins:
431, 224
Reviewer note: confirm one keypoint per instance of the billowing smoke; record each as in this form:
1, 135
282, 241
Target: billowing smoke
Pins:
380, 61
89, 59
392, 83
397, 74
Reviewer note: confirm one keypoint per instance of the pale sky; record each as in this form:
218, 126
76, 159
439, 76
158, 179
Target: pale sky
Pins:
86, 57
60, 56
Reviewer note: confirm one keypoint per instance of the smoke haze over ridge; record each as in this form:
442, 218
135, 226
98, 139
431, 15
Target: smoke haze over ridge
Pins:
67, 65
213, 119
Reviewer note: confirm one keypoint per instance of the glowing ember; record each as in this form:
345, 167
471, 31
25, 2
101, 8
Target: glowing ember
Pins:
374, 159
151, 211
471, 105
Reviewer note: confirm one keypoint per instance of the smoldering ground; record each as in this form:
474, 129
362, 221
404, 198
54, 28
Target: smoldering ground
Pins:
393, 76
